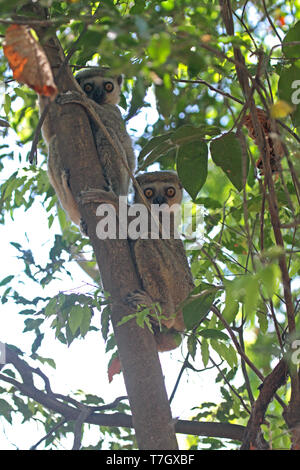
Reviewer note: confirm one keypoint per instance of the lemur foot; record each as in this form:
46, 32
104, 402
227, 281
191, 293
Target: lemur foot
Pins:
70, 97
139, 297
101, 196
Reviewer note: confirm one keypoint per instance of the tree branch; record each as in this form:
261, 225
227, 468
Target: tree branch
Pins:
94, 414
253, 438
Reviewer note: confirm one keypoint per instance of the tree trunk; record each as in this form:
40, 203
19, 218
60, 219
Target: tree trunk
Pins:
136, 346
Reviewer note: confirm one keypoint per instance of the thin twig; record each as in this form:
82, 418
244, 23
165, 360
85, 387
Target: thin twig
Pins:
33, 151
230, 386
216, 311
276, 325
33, 22
211, 87
214, 263
289, 130
244, 369
262, 213
270, 20
52, 430
240, 19
184, 366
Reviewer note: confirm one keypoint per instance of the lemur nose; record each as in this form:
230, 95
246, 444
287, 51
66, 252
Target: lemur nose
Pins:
98, 96
159, 200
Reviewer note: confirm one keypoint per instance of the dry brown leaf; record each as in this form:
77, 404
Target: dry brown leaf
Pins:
272, 138
28, 60
114, 368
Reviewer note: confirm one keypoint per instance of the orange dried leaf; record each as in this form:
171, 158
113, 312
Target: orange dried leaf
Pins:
114, 368
28, 60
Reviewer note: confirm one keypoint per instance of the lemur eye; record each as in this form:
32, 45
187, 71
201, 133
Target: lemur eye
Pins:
108, 86
148, 193
88, 87
170, 192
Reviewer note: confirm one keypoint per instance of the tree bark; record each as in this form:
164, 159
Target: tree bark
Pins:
143, 377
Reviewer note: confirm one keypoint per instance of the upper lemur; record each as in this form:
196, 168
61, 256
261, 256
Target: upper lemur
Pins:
103, 92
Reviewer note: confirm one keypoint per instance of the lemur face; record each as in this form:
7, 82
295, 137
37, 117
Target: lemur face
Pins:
100, 88
161, 187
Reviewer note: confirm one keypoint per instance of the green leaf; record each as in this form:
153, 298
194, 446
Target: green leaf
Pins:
226, 152
236, 404
28, 311
138, 8
192, 345
159, 48
226, 352
289, 90
192, 166
195, 63
198, 305
86, 320
32, 324
292, 51
189, 133
7, 104
138, 95
154, 142
205, 351
165, 100
251, 287
213, 334
126, 318
75, 318
231, 303
4, 298
156, 153
105, 321
270, 276
46, 360
263, 322
142, 317
5, 410
23, 408
37, 342
168, 4
6, 280
15, 244
52, 307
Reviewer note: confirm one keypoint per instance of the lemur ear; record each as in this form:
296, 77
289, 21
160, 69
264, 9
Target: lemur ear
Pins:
120, 79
